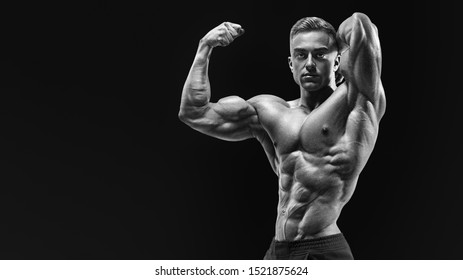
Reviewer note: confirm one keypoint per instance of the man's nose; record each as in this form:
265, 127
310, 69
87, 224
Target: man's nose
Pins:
310, 63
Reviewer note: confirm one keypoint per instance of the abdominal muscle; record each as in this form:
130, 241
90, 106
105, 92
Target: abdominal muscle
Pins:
312, 192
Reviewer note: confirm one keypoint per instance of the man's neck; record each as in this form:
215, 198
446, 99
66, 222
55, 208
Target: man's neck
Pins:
313, 99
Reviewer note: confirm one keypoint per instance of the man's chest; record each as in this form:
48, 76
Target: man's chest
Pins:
291, 129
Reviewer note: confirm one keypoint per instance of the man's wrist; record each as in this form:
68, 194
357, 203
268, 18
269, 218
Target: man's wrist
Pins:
204, 49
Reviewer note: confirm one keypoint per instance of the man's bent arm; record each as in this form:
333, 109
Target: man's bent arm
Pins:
361, 61
231, 117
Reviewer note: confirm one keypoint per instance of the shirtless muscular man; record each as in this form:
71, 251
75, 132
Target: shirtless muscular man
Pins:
317, 144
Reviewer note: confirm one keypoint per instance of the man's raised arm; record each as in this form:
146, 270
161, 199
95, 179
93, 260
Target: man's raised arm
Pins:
231, 117
361, 60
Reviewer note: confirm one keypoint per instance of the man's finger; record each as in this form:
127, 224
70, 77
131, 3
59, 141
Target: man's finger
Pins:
238, 30
230, 29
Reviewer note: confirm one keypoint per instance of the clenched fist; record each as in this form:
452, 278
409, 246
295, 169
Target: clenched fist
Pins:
223, 34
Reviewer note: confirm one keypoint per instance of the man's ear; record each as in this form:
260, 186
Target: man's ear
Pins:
290, 62
337, 62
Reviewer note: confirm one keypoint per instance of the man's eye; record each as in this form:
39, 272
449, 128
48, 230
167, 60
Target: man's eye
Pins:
320, 55
300, 55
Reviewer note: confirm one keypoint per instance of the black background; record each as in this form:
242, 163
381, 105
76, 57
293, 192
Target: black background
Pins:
94, 163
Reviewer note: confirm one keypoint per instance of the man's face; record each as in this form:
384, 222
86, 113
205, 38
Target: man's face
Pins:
313, 60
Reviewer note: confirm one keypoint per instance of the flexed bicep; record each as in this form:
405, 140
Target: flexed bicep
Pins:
231, 118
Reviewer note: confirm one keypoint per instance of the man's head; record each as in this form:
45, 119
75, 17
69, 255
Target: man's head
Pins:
314, 58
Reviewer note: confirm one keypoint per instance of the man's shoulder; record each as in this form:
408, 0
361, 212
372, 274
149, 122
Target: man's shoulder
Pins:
267, 100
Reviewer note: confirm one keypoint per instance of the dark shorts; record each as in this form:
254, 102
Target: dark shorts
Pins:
332, 247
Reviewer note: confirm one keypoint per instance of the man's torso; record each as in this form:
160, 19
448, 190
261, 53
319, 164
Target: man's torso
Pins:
318, 156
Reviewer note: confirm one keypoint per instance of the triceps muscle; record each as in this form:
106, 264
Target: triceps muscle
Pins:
362, 63
362, 69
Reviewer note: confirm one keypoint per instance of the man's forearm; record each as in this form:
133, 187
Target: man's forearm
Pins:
355, 32
361, 64
196, 91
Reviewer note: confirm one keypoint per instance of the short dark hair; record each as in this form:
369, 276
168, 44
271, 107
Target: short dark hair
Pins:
312, 24
308, 24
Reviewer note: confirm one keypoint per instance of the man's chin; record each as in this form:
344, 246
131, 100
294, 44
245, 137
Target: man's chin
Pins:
311, 86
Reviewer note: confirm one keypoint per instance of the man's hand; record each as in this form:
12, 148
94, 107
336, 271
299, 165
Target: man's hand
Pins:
223, 34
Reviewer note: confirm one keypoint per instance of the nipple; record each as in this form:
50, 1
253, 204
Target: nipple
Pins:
325, 130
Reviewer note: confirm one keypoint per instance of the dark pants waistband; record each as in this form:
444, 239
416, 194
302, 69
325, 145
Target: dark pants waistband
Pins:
327, 247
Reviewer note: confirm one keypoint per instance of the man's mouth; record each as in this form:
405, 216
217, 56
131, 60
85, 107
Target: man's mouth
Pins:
309, 77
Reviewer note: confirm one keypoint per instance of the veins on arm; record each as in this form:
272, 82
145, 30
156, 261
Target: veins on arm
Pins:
231, 118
